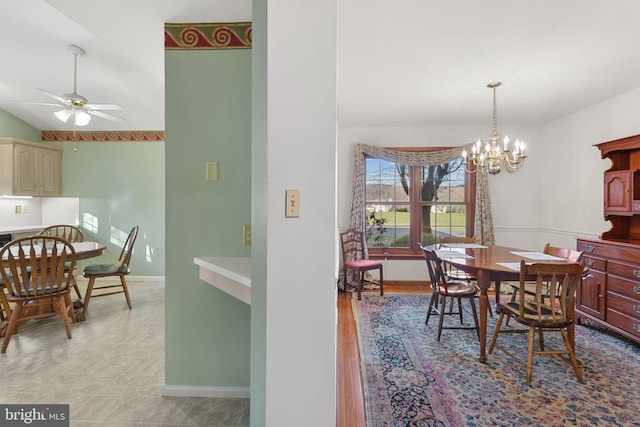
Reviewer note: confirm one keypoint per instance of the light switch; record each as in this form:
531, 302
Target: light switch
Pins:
292, 208
212, 171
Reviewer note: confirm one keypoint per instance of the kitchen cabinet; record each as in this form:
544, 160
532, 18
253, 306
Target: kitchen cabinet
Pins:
29, 169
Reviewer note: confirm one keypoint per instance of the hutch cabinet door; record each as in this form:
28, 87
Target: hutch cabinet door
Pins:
591, 294
617, 192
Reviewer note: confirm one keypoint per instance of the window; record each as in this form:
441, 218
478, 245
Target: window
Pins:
405, 205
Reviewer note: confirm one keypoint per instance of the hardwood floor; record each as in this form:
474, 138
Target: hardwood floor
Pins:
350, 394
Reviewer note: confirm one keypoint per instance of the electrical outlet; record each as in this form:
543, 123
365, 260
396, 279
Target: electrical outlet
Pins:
246, 235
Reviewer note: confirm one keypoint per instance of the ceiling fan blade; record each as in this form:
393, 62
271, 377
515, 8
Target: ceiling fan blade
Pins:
103, 106
105, 115
54, 96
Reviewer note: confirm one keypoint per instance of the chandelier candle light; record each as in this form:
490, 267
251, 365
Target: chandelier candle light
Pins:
489, 156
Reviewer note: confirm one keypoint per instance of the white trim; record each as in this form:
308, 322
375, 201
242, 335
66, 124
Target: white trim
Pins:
202, 391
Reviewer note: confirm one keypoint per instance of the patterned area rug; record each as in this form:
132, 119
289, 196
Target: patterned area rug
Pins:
412, 380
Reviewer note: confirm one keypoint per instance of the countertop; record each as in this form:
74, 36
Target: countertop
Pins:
231, 275
21, 228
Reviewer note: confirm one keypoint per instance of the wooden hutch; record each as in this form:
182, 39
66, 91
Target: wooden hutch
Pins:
610, 293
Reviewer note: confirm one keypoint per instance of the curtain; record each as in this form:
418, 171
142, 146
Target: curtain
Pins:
483, 220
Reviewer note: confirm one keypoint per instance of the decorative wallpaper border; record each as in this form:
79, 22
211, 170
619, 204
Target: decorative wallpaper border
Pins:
233, 35
104, 136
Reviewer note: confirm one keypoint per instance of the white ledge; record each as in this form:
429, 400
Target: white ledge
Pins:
231, 275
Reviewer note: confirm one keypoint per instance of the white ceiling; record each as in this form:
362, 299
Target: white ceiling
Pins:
406, 62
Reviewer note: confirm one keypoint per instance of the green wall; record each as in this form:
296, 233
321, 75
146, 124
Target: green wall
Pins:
119, 184
207, 119
260, 206
13, 127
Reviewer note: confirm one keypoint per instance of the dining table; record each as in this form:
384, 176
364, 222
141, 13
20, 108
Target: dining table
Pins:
84, 250
490, 264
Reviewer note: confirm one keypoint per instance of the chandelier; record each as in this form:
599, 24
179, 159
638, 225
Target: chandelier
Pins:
490, 156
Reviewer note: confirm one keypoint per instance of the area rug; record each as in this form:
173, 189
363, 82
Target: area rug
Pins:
410, 379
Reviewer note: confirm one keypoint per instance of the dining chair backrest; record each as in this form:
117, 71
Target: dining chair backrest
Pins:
569, 254
434, 268
70, 233
34, 267
555, 282
127, 249
352, 245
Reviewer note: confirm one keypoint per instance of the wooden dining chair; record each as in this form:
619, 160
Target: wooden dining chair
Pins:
441, 289
36, 280
354, 260
539, 316
120, 269
454, 273
70, 233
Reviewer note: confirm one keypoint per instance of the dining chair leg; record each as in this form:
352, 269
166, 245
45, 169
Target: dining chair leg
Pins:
69, 308
541, 339
475, 316
61, 307
460, 310
13, 325
572, 356
359, 284
532, 337
432, 301
441, 320
76, 287
496, 332
87, 296
381, 282
123, 281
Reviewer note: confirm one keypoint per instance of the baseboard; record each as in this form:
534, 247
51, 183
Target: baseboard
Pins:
201, 391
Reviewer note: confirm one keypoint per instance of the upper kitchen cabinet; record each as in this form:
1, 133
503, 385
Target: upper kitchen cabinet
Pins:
29, 169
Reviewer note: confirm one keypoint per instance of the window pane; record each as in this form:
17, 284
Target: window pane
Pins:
386, 182
389, 228
444, 220
442, 183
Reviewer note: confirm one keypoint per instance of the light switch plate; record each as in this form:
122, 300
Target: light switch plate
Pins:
212, 171
292, 207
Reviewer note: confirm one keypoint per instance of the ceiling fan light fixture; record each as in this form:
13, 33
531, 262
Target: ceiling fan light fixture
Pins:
63, 115
81, 118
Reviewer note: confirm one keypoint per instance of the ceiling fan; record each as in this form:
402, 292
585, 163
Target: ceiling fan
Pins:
75, 105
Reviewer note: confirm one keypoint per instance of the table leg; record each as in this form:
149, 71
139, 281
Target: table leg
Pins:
484, 281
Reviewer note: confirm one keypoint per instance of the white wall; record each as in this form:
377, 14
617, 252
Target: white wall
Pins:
301, 305
38, 211
557, 195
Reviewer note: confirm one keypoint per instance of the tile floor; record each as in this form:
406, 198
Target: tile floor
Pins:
111, 372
